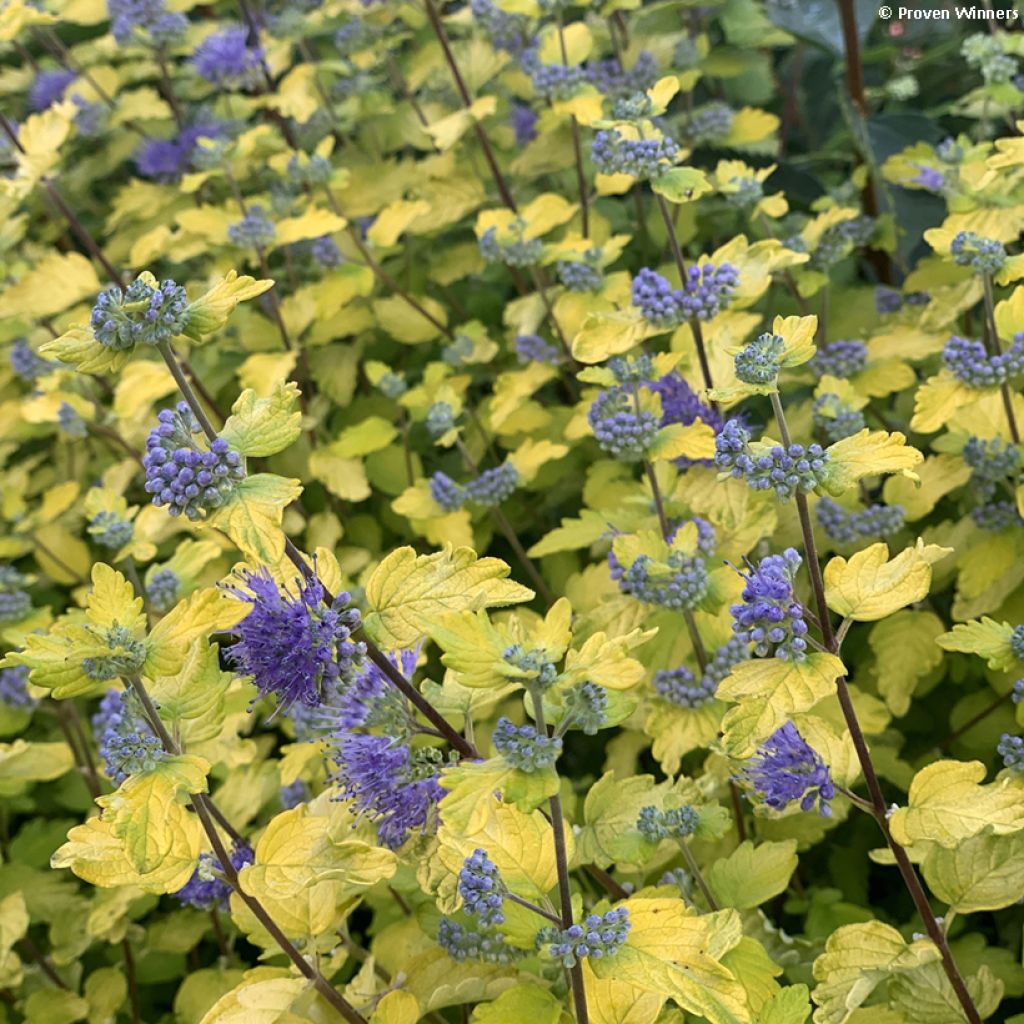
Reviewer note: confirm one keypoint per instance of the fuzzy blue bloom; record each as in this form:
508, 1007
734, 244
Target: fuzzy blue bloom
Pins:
70, 422
984, 255
1017, 642
1018, 691
133, 20
524, 123
784, 470
834, 418
840, 359
463, 944
682, 587
293, 795
787, 769
675, 823
532, 348
168, 159
180, 475
838, 241
929, 178
493, 486
711, 123
997, 515
597, 937
207, 889
581, 275
519, 252
110, 531
679, 686
254, 231
481, 889
294, 647
162, 589
325, 252
509, 32
642, 158
769, 615
586, 707
759, 361
26, 363
610, 78
141, 314
992, 463
440, 419
887, 300
14, 689
523, 747
48, 88
706, 290
383, 781
538, 671
226, 59
875, 521
15, 602
971, 364
446, 492
369, 700
125, 655
553, 81
126, 741
1011, 750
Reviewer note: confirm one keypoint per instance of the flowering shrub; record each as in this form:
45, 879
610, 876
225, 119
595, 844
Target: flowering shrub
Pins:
512, 512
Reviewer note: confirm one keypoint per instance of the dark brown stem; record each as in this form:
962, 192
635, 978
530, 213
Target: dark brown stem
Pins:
185, 388
612, 887
975, 719
579, 994
38, 957
995, 348
133, 983
577, 148
698, 876
878, 804
167, 88
737, 810
467, 102
218, 931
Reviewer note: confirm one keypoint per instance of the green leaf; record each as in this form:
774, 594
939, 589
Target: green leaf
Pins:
752, 875
366, 437
986, 638
520, 1004
905, 652
264, 426
681, 184
253, 513
985, 872
925, 995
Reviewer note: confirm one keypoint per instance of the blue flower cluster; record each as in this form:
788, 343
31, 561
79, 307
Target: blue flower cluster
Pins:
706, 291
316, 170
642, 158
109, 530
679, 685
519, 252
127, 654
509, 32
168, 159
889, 300
387, 783
493, 486
524, 748
141, 314
597, 937
26, 364
787, 769
759, 361
681, 404
581, 275
681, 588
838, 241
553, 81
48, 88
325, 252
481, 889
446, 492
295, 647
610, 78
462, 944
1011, 750
620, 429
532, 348
15, 602
586, 707
180, 474
675, 823
207, 889
834, 418
769, 615
146, 17
992, 463
14, 689
711, 123
784, 470
225, 59
1018, 691
971, 364
538, 671
162, 589
440, 419
254, 231
126, 741
369, 700
294, 794
524, 123
70, 422
841, 359
984, 255
1017, 642
872, 522
996, 515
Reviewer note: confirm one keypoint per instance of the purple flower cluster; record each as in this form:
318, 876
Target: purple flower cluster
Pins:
711, 123
162, 589
15, 602
872, 522
462, 944
524, 123
889, 300
254, 231
597, 937
70, 422
553, 81
125, 655
769, 616
581, 275
759, 361
146, 17
14, 689
180, 475
325, 252
679, 686
1011, 750
675, 823
784, 470
493, 486
126, 741
532, 348
682, 587
971, 364
642, 158
168, 159
141, 314
385, 783
48, 88
207, 889
294, 647
834, 418
681, 404
369, 700
524, 748
984, 255
706, 290
840, 359
481, 889
586, 707
996, 515
993, 463
508, 32
446, 492
787, 769
26, 363
109, 530
226, 59
519, 252
610, 78
621, 430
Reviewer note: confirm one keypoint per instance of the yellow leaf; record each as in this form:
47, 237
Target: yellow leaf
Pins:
54, 284
210, 312
264, 997
311, 224
140, 384
296, 94
367, 436
694, 441
393, 220
397, 1007
344, 477
986, 638
519, 1004
787, 687
985, 872
938, 475
405, 324
531, 455
252, 515
264, 426
22, 763
407, 592
869, 453
869, 586
946, 805
263, 372
752, 875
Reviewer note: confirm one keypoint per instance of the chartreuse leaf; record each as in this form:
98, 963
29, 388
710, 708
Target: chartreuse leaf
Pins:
474, 648
397, 1007
752, 875
790, 1006
210, 312
755, 971
682, 184
859, 958
406, 592
985, 872
467, 782
675, 952
264, 426
521, 1003
905, 652
611, 1001
252, 515
364, 438
264, 997
14, 921
986, 638
946, 805
788, 686
210, 610
298, 850
195, 691
694, 441
868, 453
607, 334
926, 995
22, 763
869, 585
